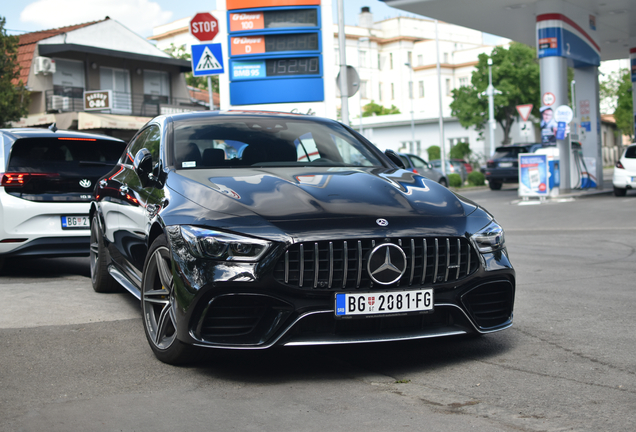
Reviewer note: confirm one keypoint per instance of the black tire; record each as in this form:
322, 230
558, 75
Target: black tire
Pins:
158, 307
619, 192
1, 264
494, 185
443, 182
102, 281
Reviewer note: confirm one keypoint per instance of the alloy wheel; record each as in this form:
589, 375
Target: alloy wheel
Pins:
157, 300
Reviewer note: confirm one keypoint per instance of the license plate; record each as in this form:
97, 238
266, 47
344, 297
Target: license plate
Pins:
633, 179
505, 164
384, 303
75, 222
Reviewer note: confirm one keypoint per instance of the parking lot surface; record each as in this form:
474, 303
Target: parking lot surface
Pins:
74, 360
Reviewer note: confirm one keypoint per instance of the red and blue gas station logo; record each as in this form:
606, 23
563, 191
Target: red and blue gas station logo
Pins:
559, 36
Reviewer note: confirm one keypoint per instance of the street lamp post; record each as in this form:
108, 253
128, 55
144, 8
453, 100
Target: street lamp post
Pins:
363, 39
411, 91
490, 91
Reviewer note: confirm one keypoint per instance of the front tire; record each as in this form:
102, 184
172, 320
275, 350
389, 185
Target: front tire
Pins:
619, 192
158, 307
102, 281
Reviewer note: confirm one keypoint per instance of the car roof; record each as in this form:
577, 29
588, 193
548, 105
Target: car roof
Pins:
243, 114
20, 133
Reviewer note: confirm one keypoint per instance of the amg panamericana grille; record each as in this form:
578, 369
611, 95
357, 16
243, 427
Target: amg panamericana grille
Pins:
342, 264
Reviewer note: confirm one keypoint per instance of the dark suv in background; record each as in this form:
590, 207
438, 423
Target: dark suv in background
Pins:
503, 167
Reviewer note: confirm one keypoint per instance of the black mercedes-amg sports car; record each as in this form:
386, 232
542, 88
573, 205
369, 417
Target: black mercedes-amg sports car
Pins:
248, 230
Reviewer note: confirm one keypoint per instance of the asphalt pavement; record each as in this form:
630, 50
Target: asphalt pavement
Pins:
75, 360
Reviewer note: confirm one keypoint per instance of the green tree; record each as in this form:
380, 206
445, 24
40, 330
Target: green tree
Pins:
515, 73
373, 108
197, 82
434, 152
460, 151
624, 113
14, 98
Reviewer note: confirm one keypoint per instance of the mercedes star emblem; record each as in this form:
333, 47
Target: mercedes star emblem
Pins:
85, 183
386, 264
382, 222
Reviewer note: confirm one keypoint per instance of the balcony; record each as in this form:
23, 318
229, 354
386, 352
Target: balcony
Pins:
71, 99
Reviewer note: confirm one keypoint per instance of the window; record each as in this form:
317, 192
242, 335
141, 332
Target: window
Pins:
380, 91
363, 90
420, 59
448, 87
392, 91
156, 86
117, 80
148, 139
421, 89
390, 60
446, 58
337, 56
410, 89
409, 58
363, 59
379, 62
68, 82
463, 82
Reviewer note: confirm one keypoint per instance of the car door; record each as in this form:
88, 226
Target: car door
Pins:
129, 247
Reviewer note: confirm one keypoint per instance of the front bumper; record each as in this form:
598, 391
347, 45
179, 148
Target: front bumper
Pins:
242, 306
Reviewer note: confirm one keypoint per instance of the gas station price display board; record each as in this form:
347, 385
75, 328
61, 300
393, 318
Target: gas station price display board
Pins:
275, 51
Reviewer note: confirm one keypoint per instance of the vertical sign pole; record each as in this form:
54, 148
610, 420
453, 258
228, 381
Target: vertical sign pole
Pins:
441, 106
210, 93
342, 42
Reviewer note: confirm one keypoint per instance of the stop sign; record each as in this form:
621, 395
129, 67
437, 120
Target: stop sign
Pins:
204, 26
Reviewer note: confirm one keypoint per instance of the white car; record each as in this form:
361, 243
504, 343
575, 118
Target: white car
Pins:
625, 172
47, 178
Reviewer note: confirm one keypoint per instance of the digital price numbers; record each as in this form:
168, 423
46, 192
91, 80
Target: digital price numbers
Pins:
273, 19
242, 45
275, 51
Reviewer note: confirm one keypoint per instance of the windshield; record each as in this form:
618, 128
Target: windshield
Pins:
257, 141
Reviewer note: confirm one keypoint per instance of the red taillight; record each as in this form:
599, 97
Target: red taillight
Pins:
20, 179
76, 139
619, 165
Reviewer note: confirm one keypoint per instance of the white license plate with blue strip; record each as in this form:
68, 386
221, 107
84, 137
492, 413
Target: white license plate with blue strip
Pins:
384, 303
76, 222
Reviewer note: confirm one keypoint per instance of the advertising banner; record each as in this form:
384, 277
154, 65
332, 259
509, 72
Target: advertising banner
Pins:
533, 175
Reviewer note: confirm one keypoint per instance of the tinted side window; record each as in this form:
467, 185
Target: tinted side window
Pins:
149, 139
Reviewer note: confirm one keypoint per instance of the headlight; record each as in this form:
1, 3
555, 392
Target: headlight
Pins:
489, 238
205, 243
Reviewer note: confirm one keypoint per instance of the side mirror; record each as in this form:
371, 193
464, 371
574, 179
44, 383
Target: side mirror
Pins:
143, 166
395, 158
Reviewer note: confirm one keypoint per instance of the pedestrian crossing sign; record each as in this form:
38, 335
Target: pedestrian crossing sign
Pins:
207, 59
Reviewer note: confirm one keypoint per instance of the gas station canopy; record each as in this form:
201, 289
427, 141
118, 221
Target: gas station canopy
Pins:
614, 20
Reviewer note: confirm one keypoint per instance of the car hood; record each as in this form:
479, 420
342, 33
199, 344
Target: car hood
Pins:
299, 200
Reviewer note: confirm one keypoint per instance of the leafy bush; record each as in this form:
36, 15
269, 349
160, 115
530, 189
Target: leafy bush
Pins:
454, 180
476, 178
434, 152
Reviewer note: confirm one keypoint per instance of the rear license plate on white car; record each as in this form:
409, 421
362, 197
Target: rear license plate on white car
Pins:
75, 222
384, 303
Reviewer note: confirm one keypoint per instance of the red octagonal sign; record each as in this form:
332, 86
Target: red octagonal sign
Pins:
204, 26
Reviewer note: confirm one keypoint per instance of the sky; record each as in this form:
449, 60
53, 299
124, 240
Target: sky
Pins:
33, 15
